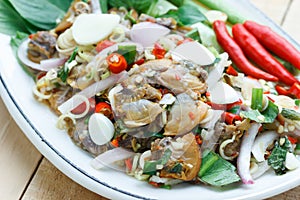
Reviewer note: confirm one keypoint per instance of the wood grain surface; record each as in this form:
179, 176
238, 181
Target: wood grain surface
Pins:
26, 174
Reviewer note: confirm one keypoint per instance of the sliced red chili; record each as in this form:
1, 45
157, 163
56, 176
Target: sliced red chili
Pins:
230, 118
116, 63
231, 71
158, 51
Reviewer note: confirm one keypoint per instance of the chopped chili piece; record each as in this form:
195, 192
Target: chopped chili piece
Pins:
105, 109
158, 51
292, 139
230, 118
116, 63
295, 90
231, 71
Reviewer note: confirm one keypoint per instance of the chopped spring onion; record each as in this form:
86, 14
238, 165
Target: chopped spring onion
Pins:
257, 99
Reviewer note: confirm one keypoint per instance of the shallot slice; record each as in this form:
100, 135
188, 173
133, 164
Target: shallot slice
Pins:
93, 89
47, 65
243, 160
109, 157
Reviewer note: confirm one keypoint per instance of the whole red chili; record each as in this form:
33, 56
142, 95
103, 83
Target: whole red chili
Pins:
256, 52
236, 54
274, 42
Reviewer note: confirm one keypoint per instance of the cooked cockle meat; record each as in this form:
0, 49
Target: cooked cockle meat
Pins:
59, 96
139, 113
185, 115
41, 46
164, 21
184, 161
79, 77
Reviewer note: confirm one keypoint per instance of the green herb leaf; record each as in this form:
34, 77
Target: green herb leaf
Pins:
150, 166
267, 116
140, 6
160, 8
129, 53
64, 71
216, 171
278, 156
31, 11
177, 3
10, 20
290, 114
17, 40
103, 6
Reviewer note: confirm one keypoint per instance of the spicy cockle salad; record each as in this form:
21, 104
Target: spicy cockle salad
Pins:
169, 91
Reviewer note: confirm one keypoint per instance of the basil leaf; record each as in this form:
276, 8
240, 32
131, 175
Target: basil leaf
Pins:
31, 11
216, 171
140, 6
129, 53
266, 116
186, 15
278, 156
10, 21
177, 3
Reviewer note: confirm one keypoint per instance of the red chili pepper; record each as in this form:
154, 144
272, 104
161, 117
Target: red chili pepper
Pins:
103, 44
236, 53
295, 90
140, 61
81, 107
105, 109
256, 52
230, 118
198, 139
115, 142
128, 163
292, 139
274, 42
231, 71
158, 51
116, 63
281, 90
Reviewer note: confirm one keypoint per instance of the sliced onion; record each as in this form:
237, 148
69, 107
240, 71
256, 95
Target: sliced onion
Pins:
147, 33
51, 63
211, 118
261, 144
222, 93
243, 160
107, 158
195, 52
93, 89
216, 73
261, 169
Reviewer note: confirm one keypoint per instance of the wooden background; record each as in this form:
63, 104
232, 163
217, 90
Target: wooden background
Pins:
26, 174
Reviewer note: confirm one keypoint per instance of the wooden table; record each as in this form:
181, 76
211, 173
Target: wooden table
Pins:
26, 174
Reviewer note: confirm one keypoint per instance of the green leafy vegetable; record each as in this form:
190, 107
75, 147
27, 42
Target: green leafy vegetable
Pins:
103, 6
16, 40
186, 15
10, 20
64, 71
161, 8
257, 99
216, 171
140, 6
266, 116
129, 53
290, 114
277, 158
31, 11
177, 3
194, 34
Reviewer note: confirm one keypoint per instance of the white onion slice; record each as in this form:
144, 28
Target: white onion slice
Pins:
243, 160
195, 52
93, 89
211, 118
52, 63
23, 56
222, 93
147, 33
107, 158
216, 73
261, 143
261, 169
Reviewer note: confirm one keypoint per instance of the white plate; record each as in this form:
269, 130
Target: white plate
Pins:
38, 123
